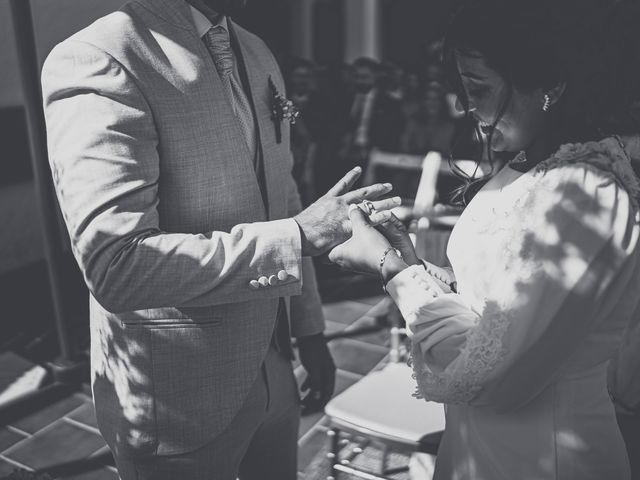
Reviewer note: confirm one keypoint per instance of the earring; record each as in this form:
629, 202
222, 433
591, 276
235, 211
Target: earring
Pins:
547, 103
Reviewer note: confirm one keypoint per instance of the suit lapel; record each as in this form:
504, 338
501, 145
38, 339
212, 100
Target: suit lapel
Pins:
254, 99
257, 75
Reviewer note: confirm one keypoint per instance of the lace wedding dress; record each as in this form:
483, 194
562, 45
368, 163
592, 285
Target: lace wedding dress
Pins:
547, 270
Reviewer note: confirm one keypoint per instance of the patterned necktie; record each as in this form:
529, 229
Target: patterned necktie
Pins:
219, 46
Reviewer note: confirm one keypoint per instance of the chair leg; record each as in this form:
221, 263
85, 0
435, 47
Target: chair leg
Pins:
334, 442
383, 460
394, 471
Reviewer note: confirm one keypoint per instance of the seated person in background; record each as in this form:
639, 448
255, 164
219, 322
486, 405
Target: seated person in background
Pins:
391, 80
310, 133
412, 87
370, 117
430, 127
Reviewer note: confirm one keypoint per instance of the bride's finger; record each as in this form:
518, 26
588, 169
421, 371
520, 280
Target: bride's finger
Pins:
380, 218
395, 222
393, 226
345, 182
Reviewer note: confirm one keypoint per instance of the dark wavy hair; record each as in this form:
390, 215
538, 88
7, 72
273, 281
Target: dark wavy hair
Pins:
591, 45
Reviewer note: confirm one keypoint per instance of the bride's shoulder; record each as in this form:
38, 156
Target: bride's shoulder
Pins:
591, 168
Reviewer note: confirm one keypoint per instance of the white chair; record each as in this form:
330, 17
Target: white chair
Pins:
435, 222
427, 188
381, 410
432, 169
397, 161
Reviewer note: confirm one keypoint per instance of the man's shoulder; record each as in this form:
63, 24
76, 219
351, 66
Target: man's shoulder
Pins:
112, 32
259, 54
254, 42
246, 36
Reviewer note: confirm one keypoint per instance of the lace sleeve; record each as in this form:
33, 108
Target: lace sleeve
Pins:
482, 349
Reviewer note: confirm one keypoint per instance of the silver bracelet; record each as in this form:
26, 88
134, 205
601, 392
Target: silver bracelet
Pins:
383, 258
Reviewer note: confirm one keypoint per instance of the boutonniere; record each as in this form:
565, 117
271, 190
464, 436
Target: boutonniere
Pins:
281, 109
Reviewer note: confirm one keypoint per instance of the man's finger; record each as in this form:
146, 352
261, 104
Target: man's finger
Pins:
372, 192
387, 203
345, 183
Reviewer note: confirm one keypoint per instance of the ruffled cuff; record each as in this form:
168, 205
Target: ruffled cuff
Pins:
442, 274
412, 289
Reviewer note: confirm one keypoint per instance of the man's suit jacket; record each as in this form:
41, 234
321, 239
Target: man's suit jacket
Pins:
168, 223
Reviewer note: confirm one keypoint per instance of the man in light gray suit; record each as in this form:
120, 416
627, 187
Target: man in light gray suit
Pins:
174, 179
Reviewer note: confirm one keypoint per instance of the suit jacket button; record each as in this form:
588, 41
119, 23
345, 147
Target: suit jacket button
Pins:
282, 275
263, 281
254, 284
273, 280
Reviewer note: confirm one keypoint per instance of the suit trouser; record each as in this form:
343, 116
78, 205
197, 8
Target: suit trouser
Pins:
259, 443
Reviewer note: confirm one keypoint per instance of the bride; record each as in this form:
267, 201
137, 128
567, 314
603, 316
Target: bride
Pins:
516, 336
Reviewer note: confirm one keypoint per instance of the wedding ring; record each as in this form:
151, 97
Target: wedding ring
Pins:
368, 207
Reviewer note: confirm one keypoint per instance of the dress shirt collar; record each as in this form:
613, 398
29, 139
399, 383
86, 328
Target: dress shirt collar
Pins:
203, 24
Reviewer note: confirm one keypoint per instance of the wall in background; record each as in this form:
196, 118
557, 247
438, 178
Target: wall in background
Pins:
54, 21
10, 92
407, 26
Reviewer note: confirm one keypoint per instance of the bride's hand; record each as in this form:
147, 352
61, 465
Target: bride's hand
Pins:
398, 236
363, 251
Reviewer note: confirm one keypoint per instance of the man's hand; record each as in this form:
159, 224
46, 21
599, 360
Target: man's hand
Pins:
321, 372
325, 223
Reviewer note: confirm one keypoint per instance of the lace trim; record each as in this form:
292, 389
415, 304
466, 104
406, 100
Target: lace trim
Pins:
463, 379
607, 156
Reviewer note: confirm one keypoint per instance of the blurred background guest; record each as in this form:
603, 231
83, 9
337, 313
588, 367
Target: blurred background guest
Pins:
430, 127
411, 85
390, 79
310, 133
371, 117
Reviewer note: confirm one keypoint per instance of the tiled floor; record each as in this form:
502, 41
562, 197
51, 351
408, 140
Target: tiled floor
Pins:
66, 431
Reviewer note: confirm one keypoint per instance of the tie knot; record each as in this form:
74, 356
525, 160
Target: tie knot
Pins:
219, 45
